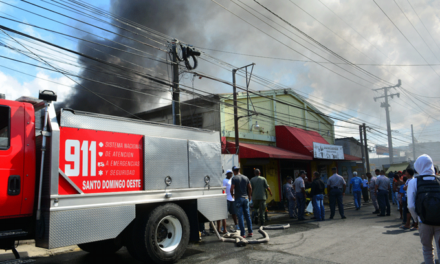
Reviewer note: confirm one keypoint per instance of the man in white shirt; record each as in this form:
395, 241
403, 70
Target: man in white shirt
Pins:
230, 202
424, 166
336, 190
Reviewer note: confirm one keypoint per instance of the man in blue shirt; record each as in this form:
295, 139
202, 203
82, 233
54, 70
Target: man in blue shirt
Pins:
356, 185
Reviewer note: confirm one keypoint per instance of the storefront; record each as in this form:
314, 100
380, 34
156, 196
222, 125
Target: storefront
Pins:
302, 141
294, 152
270, 160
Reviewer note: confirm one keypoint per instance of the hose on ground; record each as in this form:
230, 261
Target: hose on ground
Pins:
241, 241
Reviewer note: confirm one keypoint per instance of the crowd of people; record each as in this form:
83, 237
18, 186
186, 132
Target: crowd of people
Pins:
416, 195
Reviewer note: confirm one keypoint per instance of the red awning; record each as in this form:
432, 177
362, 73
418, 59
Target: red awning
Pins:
254, 151
301, 141
351, 158
297, 139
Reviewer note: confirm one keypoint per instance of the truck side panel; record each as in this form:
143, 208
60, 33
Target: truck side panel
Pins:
88, 215
85, 225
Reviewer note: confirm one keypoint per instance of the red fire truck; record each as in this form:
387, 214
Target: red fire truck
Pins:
102, 182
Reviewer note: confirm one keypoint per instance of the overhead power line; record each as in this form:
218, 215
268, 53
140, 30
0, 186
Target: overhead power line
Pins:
412, 45
289, 47
340, 63
98, 62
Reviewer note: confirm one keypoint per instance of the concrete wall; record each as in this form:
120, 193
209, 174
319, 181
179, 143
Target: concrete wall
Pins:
211, 113
350, 145
200, 113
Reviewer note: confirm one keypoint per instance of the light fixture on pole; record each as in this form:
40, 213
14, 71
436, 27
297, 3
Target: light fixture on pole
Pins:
257, 126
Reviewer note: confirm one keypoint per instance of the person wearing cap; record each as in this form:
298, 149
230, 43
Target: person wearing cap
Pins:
372, 188
300, 194
356, 185
230, 203
259, 187
336, 189
288, 193
241, 191
382, 188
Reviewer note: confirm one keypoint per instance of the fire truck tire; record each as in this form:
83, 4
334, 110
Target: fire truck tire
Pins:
163, 235
100, 247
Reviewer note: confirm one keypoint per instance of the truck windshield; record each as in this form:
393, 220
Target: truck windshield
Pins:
4, 127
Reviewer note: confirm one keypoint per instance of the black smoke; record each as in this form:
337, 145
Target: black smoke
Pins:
171, 17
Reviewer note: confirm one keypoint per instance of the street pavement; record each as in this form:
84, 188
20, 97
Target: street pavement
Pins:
361, 238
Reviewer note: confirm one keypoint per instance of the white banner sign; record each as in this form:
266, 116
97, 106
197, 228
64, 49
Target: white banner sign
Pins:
326, 151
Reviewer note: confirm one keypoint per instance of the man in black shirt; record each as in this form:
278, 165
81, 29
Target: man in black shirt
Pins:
317, 193
241, 191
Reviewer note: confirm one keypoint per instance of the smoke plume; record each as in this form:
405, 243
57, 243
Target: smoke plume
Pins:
168, 17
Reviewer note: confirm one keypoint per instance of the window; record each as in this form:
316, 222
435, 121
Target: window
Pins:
4, 127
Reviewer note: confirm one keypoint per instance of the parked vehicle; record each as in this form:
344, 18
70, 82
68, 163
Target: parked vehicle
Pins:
103, 182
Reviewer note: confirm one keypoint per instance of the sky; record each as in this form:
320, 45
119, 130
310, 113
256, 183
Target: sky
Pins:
334, 53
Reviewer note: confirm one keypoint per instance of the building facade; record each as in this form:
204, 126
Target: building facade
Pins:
277, 129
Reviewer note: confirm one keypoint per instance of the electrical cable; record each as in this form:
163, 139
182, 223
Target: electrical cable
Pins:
404, 36
71, 78
340, 63
86, 56
82, 39
47, 9
73, 10
418, 33
289, 47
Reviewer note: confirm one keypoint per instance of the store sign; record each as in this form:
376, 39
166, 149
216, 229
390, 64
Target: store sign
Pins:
100, 161
326, 151
382, 150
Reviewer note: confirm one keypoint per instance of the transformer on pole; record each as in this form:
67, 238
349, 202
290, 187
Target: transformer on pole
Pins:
386, 105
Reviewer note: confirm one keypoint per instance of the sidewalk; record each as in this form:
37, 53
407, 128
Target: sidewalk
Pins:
347, 200
27, 249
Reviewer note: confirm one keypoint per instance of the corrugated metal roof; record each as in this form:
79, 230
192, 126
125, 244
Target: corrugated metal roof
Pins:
398, 167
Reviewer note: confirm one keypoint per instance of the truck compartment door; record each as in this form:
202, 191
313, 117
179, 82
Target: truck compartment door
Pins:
12, 159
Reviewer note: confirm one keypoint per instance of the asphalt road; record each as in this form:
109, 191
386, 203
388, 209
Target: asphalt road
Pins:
361, 238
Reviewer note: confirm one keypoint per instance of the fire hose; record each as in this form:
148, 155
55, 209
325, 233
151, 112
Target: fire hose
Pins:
241, 241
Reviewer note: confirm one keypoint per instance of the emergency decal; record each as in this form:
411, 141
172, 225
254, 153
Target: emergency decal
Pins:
99, 161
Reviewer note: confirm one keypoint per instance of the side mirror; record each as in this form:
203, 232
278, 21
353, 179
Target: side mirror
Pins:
47, 95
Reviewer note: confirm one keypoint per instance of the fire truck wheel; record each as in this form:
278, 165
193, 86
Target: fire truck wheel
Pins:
101, 247
164, 234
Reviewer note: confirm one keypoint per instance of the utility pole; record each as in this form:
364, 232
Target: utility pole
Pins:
413, 143
177, 120
367, 158
387, 111
234, 94
362, 148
